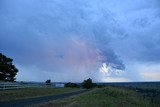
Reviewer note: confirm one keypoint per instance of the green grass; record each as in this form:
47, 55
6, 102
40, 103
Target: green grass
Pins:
104, 97
32, 92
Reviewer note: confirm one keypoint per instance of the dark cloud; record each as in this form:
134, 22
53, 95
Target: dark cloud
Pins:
70, 36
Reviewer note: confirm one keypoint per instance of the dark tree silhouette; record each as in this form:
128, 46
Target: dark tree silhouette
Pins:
48, 82
87, 83
7, 70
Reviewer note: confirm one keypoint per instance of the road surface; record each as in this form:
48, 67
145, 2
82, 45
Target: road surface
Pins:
37, 100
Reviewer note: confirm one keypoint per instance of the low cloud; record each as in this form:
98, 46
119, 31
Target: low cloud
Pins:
150, 72
116, 79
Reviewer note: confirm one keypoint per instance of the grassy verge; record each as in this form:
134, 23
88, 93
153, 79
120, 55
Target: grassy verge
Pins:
32, 92
104, 97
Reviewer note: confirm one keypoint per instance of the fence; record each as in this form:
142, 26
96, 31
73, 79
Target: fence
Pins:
19, 85
8, 86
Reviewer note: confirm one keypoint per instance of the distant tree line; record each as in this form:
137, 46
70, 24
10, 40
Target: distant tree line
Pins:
72, 85
85, 84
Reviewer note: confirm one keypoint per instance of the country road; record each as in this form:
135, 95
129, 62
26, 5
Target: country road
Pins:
37, 100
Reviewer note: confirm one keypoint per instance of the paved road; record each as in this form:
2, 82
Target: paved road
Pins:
31, 101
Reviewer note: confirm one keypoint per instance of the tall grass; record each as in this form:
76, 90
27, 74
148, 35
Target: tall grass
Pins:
104, 97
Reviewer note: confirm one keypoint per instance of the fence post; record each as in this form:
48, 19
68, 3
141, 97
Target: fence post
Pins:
3, 86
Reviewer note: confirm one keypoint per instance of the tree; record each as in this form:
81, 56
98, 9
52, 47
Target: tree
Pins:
7, 70
87, 83
48, 82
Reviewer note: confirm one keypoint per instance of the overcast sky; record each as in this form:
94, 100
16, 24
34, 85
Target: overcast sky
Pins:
72, 40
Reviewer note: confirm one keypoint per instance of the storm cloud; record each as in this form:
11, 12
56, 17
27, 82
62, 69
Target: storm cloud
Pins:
74, 40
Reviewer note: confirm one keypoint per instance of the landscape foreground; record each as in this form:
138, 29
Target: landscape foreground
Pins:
109, 95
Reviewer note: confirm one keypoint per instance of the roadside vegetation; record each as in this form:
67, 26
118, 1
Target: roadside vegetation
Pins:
104, 97
72, 85
8, 95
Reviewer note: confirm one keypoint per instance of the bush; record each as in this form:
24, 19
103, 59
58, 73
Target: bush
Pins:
72, 85
100, 85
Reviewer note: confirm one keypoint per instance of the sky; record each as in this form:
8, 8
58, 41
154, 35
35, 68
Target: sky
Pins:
72, 40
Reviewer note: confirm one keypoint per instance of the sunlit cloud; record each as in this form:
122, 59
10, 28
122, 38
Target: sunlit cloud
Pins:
116, 79
109, 70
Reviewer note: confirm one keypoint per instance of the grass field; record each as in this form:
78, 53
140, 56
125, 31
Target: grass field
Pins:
104, 97
32, 92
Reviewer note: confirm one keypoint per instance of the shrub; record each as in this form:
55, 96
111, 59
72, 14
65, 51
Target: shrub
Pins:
72, 85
